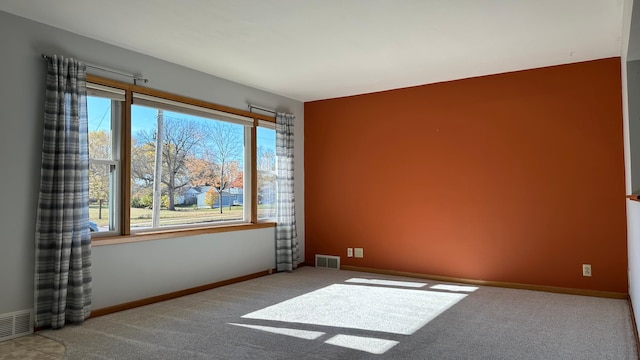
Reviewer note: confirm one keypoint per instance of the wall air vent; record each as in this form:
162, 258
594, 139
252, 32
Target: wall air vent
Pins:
15, 324
327, 261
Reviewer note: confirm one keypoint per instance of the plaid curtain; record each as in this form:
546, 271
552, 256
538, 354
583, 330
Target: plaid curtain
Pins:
286, 237
63, 243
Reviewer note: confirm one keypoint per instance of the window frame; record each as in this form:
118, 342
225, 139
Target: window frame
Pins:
123, 233
246, 123
117, 98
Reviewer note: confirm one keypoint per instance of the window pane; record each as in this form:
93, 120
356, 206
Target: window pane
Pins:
99, 116
266, 165
101, 185
200, 174
102, 113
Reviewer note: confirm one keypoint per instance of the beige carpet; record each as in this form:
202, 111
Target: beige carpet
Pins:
328, 314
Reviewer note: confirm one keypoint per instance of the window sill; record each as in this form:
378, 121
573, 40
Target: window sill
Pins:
169, 234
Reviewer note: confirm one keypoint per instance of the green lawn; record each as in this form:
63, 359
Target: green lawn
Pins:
181, 216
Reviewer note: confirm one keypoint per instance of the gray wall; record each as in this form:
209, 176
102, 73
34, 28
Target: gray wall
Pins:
129, 271
633, 171
630, 66
633, 91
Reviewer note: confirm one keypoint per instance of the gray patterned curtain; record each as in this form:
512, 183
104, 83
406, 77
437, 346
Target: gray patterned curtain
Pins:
286, 237
63, 243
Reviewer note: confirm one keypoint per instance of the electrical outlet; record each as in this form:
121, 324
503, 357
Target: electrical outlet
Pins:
349, 252
586, 269
359, 252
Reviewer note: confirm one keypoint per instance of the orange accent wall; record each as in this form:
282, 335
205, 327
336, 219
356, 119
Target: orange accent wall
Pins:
515, 177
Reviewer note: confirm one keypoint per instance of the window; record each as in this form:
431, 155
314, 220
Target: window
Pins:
203, 165
186, 164
104, 110
266, 165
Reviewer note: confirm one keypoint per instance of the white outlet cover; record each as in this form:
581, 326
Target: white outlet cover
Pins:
349, 252
359, 252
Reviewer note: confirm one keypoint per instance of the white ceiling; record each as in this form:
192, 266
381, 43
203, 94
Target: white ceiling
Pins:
318, 49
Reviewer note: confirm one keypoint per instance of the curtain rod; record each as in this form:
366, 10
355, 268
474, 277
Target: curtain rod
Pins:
251, 107
101, 68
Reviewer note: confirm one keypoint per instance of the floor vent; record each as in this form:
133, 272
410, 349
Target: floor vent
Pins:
328, 261
15, 324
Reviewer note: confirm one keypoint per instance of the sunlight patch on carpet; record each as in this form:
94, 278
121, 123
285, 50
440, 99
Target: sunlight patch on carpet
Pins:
397, 311
455, 288
300, 334
386, 282
370, 345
